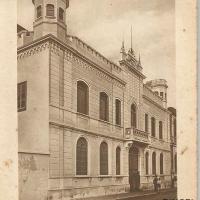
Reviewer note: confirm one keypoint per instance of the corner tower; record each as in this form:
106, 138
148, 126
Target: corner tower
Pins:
50, 18
159, 86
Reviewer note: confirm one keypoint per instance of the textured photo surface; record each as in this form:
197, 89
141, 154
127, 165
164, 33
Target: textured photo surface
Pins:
96, 99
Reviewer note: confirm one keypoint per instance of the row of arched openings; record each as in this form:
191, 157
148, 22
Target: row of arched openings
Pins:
50, 11
153, 126
153, 163
83, 103
82, 158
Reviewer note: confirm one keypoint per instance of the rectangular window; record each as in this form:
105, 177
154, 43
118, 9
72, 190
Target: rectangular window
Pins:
21, 96
161, 94
118, 111
146, 123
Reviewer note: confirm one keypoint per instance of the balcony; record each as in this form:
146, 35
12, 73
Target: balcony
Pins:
135, 135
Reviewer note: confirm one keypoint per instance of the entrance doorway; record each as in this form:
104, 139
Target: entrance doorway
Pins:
134, 176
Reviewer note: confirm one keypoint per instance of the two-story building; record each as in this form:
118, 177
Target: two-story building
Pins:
87, 126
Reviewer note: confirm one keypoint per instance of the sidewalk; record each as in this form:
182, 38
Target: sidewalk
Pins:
124, 196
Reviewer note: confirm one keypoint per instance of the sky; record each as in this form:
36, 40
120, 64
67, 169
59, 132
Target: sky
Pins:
104, 24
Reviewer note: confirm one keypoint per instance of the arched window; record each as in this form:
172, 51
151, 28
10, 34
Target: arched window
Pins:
160, 130
118, 111
153, 127
81, 156
50, 10
103, 158
133, 116
82, 98
175, 163
161, 163
156, 92
61, 14
154, 163
104, 106
146, 123
39, 11
118, 151
147, 162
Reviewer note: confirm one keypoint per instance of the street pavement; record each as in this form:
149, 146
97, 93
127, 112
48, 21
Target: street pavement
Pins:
167, 194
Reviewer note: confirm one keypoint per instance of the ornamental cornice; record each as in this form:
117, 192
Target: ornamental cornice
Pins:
57, 45
33, 50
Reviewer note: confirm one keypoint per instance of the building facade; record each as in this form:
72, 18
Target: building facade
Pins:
87, 126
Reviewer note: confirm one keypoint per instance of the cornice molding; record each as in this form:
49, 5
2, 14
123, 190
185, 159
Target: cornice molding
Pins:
57, 46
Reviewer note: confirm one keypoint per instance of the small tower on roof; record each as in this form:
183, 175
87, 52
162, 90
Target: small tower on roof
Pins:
50, 18
159, 86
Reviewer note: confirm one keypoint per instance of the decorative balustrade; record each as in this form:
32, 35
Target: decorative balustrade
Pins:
137, 135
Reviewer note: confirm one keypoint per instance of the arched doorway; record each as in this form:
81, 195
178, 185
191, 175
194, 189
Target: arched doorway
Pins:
134, 176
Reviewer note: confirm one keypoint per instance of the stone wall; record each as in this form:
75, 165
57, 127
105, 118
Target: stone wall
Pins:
33, 176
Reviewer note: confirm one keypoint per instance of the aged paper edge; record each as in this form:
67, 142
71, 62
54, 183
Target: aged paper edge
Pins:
186, 71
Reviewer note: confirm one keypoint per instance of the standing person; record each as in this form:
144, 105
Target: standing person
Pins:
155, 183
159, 184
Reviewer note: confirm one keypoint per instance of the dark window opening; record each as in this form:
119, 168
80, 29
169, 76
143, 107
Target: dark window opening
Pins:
118, 151
160, 130
147, 163
161, 163
61, 14
118, 111
21, 96
104, 106
175, 163
146, 123
103, 158
154, 163
39, 11
81, 157
50, 10
82, 98
161, 94
133, 116
153, 127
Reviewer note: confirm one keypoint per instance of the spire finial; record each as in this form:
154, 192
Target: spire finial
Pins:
139, 59
131, 39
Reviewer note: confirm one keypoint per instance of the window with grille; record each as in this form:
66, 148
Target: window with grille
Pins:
133, 116
118, 151
161, 163
154, 163
146, 123
50, 10
104, 106
103, 158
160, 130
81, 156
147, 163
118, 111
61, 14
82, 98
39, 11
153, 127
21, 96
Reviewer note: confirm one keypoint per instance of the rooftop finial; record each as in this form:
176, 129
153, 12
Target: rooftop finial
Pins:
139, 59
131, 39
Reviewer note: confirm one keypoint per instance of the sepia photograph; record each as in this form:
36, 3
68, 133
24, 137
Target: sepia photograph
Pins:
96, 99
